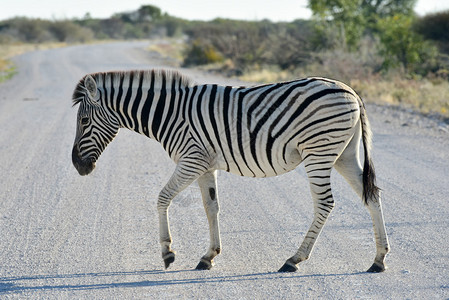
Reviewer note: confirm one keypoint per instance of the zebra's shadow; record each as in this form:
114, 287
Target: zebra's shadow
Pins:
108, 280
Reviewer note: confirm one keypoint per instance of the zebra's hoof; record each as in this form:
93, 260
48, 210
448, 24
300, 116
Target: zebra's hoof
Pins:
168, 259
288, 268
204, 265
375, 268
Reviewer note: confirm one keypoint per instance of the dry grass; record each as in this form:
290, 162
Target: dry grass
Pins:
429, 96
424, 95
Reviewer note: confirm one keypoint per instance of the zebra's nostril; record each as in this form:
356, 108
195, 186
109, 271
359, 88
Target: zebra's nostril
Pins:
83, 167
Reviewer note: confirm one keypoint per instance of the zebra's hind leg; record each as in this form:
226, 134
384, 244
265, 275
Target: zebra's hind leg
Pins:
348, 165
319, 179
380, 235
181, 178
208, 186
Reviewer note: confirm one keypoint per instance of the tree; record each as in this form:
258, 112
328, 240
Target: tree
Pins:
340, 16
149, 13
373, 10
435, 27
401, 46
349, 19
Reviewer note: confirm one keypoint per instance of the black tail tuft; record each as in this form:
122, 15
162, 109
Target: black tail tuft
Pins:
370, 189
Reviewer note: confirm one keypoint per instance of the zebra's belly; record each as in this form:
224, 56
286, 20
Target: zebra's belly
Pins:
261, 166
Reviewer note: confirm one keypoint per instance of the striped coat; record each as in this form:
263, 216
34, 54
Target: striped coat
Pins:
256, 131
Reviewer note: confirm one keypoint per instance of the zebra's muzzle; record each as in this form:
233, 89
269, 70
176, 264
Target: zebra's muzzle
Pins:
84, 167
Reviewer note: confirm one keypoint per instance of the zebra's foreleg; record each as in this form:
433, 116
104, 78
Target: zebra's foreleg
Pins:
319, 179
181, 178
208, 186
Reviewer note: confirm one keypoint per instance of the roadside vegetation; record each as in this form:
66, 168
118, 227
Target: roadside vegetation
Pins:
381, 48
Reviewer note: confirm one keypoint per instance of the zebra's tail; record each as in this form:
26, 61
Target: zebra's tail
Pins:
370, 189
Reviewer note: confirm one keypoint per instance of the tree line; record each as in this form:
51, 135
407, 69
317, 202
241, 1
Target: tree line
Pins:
376, 35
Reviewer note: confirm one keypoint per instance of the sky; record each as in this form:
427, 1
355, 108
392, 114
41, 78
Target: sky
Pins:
278, 10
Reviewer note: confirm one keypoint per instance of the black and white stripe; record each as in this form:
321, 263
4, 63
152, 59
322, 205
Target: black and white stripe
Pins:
256, 131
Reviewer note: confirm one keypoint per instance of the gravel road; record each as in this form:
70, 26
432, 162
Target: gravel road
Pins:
95, 237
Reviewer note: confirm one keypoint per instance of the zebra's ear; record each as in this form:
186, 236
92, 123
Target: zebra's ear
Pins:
91, 86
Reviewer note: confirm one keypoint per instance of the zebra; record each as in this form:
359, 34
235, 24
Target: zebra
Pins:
257, 131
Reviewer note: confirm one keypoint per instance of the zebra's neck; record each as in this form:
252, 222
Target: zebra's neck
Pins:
148, 102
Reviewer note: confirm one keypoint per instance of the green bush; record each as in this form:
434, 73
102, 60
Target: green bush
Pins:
402, 47
200, 54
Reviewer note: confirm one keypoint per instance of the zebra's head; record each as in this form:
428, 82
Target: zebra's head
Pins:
96, 125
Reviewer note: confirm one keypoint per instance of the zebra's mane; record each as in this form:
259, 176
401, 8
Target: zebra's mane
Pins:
79, 93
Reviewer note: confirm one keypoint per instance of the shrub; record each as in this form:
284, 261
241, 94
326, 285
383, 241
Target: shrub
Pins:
200, 54
401, 46
67, 31
252, 44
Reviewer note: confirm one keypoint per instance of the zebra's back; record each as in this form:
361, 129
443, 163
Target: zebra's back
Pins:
267, 130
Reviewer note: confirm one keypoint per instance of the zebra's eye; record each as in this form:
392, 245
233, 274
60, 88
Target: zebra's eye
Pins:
84, 120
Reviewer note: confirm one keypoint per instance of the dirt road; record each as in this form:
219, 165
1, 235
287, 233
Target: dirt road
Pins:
95, 237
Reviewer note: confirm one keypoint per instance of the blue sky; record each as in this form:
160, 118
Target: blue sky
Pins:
279, 10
